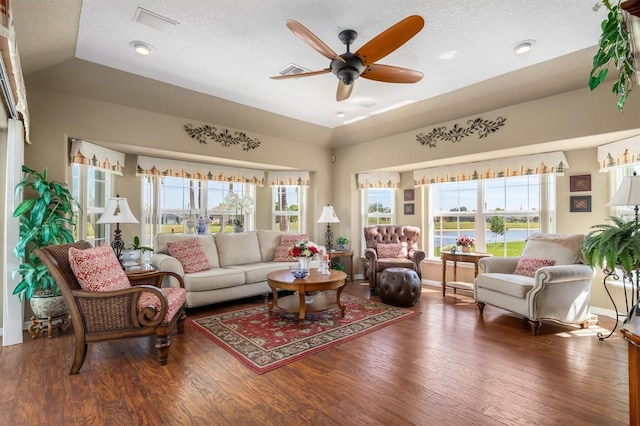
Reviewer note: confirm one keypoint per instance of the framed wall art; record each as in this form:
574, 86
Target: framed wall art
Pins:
409, 194
580, 183
409, 209
580, 203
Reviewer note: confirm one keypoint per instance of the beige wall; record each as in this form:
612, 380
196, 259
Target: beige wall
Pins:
544, 125
552, 123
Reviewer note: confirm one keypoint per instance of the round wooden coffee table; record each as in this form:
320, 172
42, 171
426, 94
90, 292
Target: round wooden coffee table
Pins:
284, 280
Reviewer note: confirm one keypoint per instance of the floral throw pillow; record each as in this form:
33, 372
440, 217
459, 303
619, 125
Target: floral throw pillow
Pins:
281, 254
392, 250
528, 266
97, 269
190, 254
288, 239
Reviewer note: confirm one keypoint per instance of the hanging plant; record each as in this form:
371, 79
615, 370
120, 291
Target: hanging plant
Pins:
615, 45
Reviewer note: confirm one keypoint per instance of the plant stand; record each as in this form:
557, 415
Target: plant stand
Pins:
38, 325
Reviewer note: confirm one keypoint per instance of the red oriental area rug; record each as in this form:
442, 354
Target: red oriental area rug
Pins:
264, 343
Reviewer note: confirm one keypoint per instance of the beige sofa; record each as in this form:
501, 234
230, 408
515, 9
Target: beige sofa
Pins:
239, 263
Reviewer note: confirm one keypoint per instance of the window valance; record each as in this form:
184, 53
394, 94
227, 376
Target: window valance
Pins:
619, 153
289, 178
90, 154
550, 162
379, 180
150, 166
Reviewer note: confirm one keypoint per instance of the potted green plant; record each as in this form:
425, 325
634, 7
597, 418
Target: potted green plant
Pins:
614, 47
342, 242
609, 246
46, 219
132, 253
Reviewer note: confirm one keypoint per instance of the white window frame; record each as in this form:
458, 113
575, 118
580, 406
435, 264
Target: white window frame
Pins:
289, 214
81, 187
381, 218
154, 195
546, 212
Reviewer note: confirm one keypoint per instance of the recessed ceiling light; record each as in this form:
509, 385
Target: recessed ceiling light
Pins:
523, 47
141, 47
339, 114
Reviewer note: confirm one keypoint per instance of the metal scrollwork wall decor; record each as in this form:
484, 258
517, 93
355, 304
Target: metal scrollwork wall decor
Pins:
480, 126
224, 138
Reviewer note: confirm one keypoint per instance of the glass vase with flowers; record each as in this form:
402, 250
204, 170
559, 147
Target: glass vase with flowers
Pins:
304, 251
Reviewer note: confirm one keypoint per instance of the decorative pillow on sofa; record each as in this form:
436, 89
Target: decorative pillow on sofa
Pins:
392, 250
528, 266
98, 269
282, 255
288, 239
190, 254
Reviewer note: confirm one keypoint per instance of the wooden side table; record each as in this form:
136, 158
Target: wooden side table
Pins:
455, 258
335, 254
631, 332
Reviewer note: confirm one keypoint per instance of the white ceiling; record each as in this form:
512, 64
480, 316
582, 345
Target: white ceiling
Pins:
228, 50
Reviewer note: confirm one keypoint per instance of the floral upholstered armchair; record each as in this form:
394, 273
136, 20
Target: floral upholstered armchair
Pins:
391, 246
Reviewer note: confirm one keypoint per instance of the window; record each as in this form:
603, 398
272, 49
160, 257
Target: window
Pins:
378, 206
91, 187
289, 203
174, 201
499, 213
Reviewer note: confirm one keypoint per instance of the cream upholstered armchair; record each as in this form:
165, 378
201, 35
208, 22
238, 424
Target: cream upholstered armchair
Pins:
547, 282
391, 246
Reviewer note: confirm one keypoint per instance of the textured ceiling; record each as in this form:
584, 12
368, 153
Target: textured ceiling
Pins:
222, 53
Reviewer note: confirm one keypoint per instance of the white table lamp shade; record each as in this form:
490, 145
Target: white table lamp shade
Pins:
328, 215
117, 211
628, 194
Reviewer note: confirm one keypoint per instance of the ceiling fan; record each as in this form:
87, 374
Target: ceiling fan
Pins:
349, 66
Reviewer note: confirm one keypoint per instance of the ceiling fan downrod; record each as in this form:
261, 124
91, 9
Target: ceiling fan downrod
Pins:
352, 66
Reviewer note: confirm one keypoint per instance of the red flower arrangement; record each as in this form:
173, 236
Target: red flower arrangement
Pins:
303, 249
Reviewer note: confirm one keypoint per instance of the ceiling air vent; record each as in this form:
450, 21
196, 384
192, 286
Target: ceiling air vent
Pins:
292, 69
154, 20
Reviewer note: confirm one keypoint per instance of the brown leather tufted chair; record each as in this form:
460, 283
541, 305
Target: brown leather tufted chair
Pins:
375, 235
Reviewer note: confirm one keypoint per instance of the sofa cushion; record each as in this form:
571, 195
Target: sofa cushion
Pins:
98, 269
238, 249
268, 241
513, 285
282, 255
213, 279
190, 254
392, 250
528, 266
563, 249
207, 242
257, 272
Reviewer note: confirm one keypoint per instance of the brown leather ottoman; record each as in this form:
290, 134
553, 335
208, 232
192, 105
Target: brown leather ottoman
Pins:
399, 287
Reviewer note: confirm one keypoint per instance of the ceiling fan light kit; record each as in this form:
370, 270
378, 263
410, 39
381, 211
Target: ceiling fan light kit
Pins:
350, 66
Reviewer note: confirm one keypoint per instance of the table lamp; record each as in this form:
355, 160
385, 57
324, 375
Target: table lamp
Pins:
328, 216
117, 211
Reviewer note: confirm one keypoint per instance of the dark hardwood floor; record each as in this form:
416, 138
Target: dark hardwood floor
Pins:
444, 367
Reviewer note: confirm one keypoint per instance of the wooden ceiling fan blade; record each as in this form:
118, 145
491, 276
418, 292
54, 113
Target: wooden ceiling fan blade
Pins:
301, 74
312, 40
344, 91
390, 39
391, 74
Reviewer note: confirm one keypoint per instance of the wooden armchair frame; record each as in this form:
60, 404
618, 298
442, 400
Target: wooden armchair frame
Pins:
99, 316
